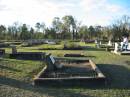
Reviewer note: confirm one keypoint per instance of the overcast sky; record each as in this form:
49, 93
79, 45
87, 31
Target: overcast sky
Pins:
90, 12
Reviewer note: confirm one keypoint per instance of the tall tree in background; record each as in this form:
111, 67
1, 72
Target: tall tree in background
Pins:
91, 32
25, 35
69, 23
2, 31
43, 27
57, 25
38, 26
83, 32
31, 33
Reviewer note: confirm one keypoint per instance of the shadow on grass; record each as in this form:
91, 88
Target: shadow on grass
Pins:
118, 77
50, 91
95, 49
9, 68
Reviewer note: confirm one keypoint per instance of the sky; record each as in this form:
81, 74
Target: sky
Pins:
89, 12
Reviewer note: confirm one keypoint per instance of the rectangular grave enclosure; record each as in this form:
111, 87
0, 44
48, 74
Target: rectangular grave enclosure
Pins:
81, 72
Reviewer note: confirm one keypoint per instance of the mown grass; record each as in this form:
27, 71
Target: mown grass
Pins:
16, 76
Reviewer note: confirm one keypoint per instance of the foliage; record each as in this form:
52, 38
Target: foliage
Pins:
66, 28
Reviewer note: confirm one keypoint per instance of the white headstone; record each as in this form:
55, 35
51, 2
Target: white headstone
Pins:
109, 43
116, 47
100, 43
96, 41
128, 46
52, 59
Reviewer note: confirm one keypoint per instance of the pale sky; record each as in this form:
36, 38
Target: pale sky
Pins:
90, 12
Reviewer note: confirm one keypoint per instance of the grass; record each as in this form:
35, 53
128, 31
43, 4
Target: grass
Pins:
16, 76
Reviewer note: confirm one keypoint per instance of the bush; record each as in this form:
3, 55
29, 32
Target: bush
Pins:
72, 45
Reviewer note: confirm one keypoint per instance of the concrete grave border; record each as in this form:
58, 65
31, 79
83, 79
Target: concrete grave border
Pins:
100, 78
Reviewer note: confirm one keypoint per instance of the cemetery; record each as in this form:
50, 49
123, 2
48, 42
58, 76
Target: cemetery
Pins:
87, 68
64, 48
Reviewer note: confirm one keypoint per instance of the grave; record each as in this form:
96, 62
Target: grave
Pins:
28, 55
69, 72
4, 45
2, 51
74, 55
14, 49
119, 49
109, 43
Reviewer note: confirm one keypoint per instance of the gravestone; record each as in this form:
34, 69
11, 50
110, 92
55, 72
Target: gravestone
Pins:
2, 51
109, 43
97, 45
116, 47
52, 64
122, 47
100, 43
96, 41
14, 50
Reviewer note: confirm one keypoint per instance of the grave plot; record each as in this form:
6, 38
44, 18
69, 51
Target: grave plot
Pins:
69, 72
2, 51
74, 55
72, 46
28, 55
106, 46
4, 45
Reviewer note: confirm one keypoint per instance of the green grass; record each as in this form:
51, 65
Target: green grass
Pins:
16, 76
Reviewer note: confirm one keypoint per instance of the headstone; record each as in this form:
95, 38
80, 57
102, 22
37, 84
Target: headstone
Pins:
52, 59
122, 46
14, 50
96, 41
109, 43
100, 43
128, 46
116, 47
97, 45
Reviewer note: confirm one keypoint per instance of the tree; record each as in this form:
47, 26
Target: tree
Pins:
38, 26
25, 33
121, 27
50, 33
2, 31
42, 27
31, 33
57, 26
83, 32
69, 23
91, 31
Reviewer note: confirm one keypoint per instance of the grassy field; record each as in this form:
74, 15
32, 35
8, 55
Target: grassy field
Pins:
16, 76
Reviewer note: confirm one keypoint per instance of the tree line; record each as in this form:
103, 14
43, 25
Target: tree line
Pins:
66, 27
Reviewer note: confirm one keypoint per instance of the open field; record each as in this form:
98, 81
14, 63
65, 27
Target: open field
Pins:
16, 76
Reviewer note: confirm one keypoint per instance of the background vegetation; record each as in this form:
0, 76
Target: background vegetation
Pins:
66, 28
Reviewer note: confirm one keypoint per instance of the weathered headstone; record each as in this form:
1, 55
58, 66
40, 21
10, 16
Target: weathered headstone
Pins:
52, 64
100, 43
122, 46
96, 41
109, 43
97, 45
116, 47
14, 50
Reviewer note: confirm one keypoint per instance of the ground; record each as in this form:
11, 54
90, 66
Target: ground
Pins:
16, 76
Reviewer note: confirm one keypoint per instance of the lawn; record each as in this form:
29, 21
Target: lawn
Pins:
16, 76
